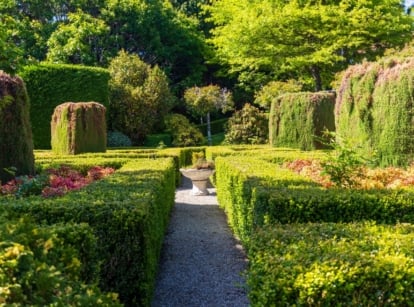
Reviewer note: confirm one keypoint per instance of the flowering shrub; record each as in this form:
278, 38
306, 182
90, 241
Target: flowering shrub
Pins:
53, 182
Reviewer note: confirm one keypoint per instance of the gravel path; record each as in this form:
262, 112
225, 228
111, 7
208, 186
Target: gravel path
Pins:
201, 262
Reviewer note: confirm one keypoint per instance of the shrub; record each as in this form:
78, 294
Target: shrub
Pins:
155, 140
139, 97
49, 85
78, 127
182, 131
16, 143
49, 265
357, 264
298, 120
247, 126
118, 139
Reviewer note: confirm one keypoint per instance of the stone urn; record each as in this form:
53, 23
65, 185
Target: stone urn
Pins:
199, 178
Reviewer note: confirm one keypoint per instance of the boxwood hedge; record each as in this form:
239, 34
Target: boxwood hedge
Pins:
128, 213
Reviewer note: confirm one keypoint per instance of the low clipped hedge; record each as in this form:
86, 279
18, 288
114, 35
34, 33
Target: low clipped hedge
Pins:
327, 264
309, 246
254, 192
128, 213
49, 265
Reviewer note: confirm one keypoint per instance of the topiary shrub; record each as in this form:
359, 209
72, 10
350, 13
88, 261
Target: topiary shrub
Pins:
16, 143
78, 128
118, 139
299, 120
183, 132
247, 126
374, 109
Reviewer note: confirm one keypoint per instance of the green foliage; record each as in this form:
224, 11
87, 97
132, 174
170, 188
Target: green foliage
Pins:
139, 96
217, 126
78, 128
127, 212
298, 120
302, 39
49, 85
247, 126
344, 164
183, 132
254, 192
374, 109
118, 139
81, 40
10, 53
49, 265
16, 143
358, 264
202, 100
154, 140
273, 89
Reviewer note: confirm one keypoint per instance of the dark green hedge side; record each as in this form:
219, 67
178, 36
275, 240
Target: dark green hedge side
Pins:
357, 264
297, 119
128, 212
49, 85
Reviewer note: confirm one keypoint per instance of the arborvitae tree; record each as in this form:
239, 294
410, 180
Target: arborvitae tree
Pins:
78, 127
16, 143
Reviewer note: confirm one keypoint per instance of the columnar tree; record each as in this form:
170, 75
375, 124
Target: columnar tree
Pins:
203, 100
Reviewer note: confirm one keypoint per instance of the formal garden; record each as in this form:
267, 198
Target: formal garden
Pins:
304, 109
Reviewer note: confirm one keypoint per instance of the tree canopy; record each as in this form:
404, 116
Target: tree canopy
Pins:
303, 39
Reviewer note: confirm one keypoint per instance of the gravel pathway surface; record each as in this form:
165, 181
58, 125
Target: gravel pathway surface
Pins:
201, 262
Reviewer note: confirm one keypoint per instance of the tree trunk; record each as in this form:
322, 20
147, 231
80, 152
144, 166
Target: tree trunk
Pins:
209, 141
316, 74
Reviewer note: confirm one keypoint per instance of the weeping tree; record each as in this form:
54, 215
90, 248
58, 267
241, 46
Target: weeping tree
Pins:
16, 143
206, 99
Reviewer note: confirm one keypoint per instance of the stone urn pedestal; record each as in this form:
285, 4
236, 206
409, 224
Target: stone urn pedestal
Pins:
199, 178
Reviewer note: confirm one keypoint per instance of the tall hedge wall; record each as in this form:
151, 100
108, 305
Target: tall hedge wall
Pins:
374, 108
49, 85
296, 118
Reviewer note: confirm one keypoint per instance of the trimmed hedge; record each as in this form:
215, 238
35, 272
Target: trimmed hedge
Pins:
255, 192
49, 85
357, 264
297, 120
374, 109
49, 265
16, 142
128, 212
297, 256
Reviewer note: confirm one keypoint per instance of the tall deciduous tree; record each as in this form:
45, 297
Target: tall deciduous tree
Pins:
79, 41
310, 38
203, 100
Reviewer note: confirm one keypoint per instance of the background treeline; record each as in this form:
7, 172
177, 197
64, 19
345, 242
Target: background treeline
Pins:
257, 50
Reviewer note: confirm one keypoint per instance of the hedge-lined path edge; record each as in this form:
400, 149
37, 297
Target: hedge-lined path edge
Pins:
201, 264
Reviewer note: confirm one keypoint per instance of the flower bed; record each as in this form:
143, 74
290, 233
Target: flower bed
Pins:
54, 181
